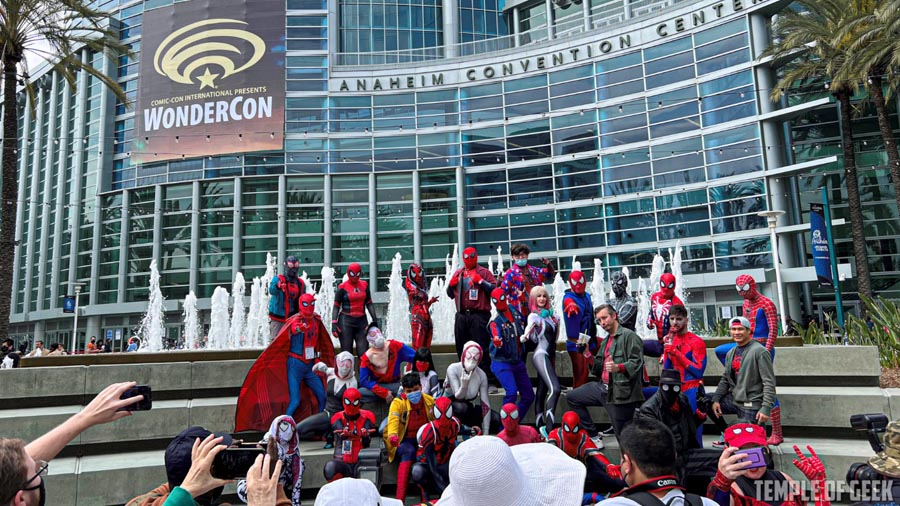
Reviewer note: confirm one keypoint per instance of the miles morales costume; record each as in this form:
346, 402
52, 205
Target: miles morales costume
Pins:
351, 301
419, 304
353, 428
282, 380
581, 333
284, 295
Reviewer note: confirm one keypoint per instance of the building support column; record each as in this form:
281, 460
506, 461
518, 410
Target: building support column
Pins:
461, 208
20, 215
327, 223
334, 24
238, 246
551, 19
281, 252
451, 27
373, 231
34, 203
515, 28
123, 247
106, 132
417, 216
79, 146
62, 156
194, 276
157, 225
586, 10
44, 250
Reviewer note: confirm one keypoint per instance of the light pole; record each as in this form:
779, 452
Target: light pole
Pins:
772, 217
75, 329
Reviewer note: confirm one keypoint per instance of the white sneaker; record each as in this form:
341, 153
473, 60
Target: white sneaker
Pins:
598, 441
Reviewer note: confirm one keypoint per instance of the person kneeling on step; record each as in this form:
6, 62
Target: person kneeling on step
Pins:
353, 428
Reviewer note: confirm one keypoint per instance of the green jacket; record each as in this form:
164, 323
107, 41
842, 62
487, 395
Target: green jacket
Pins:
627, 350
754, 387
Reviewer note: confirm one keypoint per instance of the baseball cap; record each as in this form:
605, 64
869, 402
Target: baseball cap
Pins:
178, 453
739, 321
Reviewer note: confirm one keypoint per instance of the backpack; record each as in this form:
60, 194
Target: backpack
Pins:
648, 499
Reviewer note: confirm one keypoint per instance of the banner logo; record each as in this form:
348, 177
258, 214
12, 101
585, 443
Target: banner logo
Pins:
183, 53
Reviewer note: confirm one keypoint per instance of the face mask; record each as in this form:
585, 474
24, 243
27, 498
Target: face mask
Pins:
522, 262
670, 394
414, 397
42, 494
421, 366
546, 313
375, 338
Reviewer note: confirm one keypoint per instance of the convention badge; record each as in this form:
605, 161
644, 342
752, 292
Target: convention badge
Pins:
473, 294
310, 353
346, 447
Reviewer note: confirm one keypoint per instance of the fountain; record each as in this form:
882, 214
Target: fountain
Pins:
557, 292
252, 332
397, 325
152, 329
680, 286
490, 266
598, 292
443, 312
643, 302
217, 339
500, 269
325, 298
238, 316
192, 327
657, 268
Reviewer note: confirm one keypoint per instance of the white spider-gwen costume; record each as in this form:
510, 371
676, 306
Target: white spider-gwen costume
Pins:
541, 329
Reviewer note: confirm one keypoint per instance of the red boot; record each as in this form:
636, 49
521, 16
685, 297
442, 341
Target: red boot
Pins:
403, 479
777, 437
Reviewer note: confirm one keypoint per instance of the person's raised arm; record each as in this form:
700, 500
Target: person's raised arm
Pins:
102, 409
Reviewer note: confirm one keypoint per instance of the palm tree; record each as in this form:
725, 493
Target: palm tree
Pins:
806, 37
56, 30
874, 52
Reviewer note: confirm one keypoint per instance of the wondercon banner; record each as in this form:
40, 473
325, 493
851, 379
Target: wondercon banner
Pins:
212, 79
820, 251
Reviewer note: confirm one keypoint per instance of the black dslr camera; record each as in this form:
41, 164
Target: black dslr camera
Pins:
873, 425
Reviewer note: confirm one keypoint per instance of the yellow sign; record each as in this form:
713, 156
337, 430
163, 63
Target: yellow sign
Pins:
183, 53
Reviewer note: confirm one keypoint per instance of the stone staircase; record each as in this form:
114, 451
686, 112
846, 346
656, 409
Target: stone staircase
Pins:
819, 388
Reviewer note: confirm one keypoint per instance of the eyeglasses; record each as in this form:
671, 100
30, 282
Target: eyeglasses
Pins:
42, 471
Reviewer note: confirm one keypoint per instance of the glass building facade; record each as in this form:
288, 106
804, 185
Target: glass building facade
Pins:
601, 129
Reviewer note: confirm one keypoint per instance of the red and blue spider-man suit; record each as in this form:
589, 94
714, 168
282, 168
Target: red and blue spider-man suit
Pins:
763, 317
420, 322
581, 333
687, 354
353, 427
437, 440
602, 477
379, 379
351, 300
660, 303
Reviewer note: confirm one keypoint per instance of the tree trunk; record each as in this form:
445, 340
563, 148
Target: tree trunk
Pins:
863, 282
876, 90
9, 195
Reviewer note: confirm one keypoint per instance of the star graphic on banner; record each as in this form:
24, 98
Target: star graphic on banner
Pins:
207, 79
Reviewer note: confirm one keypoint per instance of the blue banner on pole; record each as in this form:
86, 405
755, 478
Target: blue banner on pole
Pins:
820, 251
68, 304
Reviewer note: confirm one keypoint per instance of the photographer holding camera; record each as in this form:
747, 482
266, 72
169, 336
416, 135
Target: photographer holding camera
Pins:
874, 482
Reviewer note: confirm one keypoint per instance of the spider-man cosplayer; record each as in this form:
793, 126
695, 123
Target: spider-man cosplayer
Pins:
513, 433
685, 352
351, 301
285, 291
624, 304
337, 380
471, 288
437, 440
508, 352
419, 304
282, 380
581, 333
763, 317
660, 303
602, 477
379, 368
353, 428
736, 486
521, 277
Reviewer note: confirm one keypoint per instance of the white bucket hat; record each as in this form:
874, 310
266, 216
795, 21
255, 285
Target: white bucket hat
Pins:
352, 492
484, 471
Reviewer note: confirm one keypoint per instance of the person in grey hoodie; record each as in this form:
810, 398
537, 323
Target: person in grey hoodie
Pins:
747, 387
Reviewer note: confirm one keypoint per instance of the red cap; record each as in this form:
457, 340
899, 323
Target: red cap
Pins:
744, 434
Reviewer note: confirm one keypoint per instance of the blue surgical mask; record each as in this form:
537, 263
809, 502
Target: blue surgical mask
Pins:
414, 397
522, 262
545, 313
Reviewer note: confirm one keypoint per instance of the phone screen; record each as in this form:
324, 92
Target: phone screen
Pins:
143, 405
754, 455
235, 462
